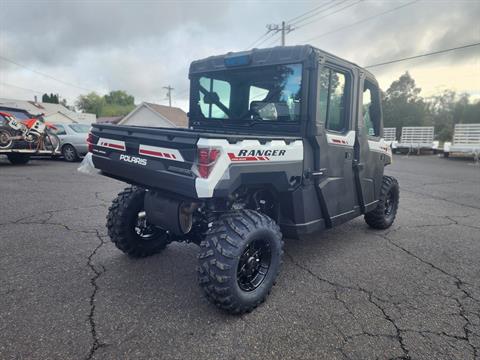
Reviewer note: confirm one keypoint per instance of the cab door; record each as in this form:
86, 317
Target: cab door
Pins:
336, 138
370, 151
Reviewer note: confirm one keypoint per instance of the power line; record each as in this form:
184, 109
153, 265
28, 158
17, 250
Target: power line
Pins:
253, 43
283, 28
309, 12
272, 42
326, 15
287, 26
423, 55
361, 21
43, 74
23, 88
316, 13
266, 39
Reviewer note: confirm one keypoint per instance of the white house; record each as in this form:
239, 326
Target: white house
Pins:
54, 113
148, 114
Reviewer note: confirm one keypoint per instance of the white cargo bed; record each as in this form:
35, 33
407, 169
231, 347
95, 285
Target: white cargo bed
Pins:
416, 138
390, 134
466, 140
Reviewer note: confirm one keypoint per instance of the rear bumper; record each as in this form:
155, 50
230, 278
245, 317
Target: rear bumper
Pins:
147, 177
82, 149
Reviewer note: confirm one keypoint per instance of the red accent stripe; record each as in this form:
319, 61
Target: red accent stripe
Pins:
150, 152
114, 146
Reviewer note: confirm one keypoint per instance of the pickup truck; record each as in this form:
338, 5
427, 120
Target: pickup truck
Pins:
283, 141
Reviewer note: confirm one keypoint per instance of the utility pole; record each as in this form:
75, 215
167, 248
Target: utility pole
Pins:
283, 28
169, 94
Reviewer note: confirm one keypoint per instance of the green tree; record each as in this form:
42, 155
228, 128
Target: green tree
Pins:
115, 103
91, 103
119, 97
52, 99
402, 104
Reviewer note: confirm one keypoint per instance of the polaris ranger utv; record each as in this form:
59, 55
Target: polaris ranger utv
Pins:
286, 140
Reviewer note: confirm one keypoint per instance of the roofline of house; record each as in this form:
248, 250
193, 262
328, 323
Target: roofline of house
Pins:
130, 114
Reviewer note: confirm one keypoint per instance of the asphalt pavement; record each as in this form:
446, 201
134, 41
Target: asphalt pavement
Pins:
410, 292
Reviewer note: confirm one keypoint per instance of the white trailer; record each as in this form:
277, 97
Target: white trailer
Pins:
417, 138
390, 136
466, 140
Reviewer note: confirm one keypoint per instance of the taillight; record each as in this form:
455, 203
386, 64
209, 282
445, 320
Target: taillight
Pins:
206, 160
90, 142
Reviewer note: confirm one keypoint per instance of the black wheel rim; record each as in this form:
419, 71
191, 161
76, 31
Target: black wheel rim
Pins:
389, 203
143, 229
254, 265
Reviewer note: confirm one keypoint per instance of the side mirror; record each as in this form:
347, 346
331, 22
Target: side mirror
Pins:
211, 98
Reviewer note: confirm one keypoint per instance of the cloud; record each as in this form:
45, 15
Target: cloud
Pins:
141, 46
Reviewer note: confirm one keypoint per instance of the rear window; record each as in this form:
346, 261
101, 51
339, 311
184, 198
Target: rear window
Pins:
249, 95
80, 128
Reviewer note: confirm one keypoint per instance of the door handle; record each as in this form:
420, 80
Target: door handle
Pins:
319, 172
358, 165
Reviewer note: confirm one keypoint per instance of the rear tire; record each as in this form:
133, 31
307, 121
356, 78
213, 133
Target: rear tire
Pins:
70, 153
5, 142
239, 260
18, 159
125, 230
446, 154
383, 215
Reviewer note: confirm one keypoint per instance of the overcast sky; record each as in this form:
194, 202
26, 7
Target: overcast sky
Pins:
141, 46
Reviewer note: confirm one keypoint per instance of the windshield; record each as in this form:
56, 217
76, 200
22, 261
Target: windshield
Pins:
80, 128
270, 93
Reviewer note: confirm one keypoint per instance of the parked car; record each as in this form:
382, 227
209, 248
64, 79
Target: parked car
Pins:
73, 140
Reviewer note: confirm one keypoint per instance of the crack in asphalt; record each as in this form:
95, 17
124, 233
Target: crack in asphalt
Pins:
96, 344
375, 300
372, 298
50, 213
460, 285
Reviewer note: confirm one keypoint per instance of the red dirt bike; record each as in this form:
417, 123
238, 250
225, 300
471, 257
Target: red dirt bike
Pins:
35, 132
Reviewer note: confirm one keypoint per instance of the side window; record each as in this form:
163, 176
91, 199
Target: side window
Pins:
371, 109
332, 100
220, 88
60, 130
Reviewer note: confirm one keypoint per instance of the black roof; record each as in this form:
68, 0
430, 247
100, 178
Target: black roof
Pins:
269, 56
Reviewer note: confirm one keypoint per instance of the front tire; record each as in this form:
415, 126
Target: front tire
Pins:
239, 260
383, 215
128, 228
